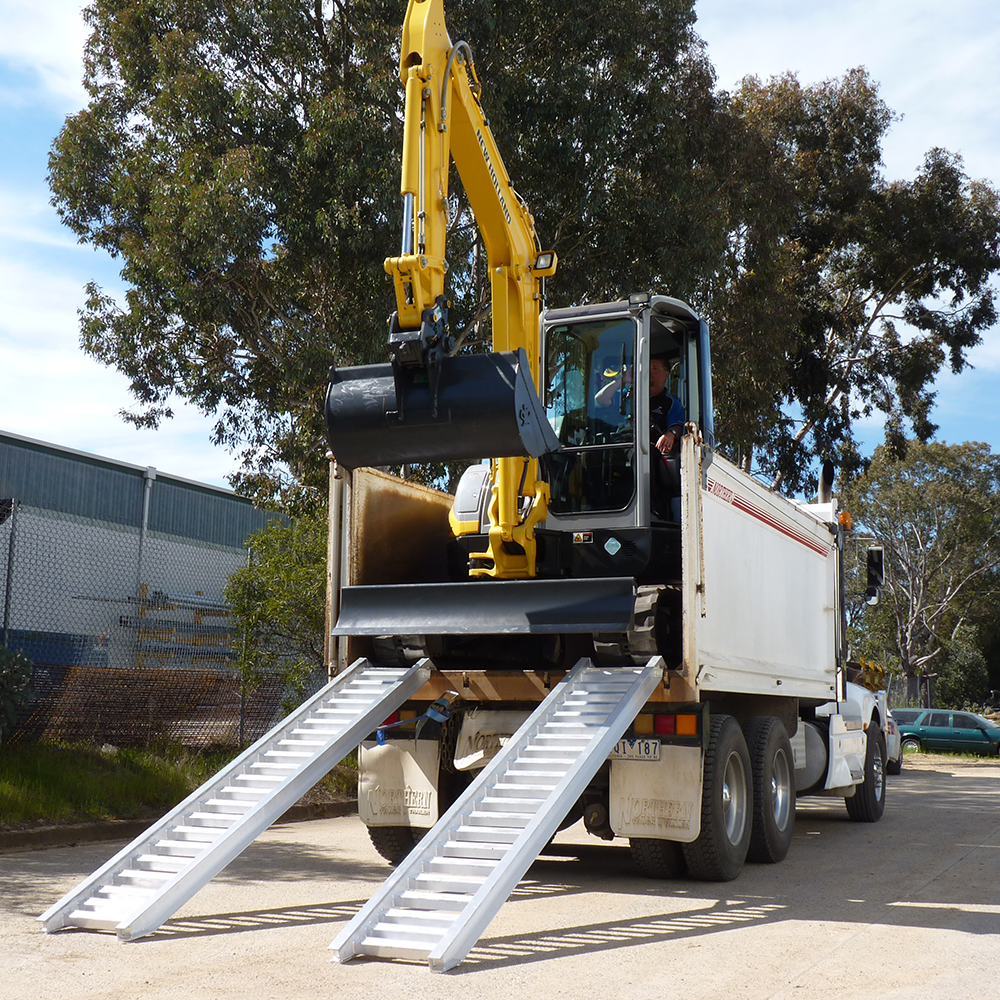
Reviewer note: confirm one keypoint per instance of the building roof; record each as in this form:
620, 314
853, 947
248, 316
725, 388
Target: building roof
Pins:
51, 477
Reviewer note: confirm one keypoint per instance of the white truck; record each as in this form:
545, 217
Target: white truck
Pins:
617, 624
738, 603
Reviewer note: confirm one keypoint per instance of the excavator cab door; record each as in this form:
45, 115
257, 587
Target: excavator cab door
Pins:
613, 493
590, 405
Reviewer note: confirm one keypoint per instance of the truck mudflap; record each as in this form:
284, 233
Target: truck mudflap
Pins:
491, 607
477, 406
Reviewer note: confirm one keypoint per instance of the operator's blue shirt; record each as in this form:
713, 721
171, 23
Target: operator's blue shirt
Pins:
665, 411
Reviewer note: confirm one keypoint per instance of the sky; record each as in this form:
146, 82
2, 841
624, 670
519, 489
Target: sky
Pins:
937, 67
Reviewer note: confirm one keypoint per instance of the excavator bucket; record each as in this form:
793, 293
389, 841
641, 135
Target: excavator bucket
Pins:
482, 406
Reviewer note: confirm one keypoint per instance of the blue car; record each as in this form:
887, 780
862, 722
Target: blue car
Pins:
936, 729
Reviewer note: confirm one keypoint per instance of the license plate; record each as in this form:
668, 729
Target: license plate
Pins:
638, 749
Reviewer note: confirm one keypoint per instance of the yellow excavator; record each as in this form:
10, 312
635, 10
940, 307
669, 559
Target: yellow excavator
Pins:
558, 565
429, 407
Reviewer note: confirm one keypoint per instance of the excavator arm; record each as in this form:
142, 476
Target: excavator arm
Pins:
444, 120
434, 408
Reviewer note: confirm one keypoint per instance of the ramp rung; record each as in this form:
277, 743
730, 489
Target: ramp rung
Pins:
415, 933
509, 804
429, 899
443, 882
475, 849
480, 848
89, 922
455, 865
526, 791
231, 803
122, 892
429, 918
207, 825
160, 870
161, 862
513, 820
390, 948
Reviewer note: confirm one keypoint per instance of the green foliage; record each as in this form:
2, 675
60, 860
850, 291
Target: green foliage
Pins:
935, 511
241, 160
15, 688
876, 284
62, 783
963, 677
50, 783
278, 602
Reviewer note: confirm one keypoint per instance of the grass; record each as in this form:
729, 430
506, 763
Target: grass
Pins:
53, 783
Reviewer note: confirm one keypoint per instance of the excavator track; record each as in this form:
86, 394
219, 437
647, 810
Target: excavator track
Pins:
650, 633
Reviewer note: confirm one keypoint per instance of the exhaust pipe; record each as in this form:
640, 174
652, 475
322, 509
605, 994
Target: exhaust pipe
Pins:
826, 478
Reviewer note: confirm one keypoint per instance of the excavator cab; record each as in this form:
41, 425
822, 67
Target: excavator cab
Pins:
590, 405
614, 508
613, 492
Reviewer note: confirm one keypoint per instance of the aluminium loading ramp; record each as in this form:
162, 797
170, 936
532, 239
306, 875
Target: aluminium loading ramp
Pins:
441, 898
164, 867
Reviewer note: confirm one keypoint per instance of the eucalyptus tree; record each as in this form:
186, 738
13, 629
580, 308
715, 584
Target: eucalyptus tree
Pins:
936, 512
240, 159
877, 285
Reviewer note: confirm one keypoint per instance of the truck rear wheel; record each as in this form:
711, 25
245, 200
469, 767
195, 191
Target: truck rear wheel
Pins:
867, 803
657, 858
773, 789
726, 806
394, 842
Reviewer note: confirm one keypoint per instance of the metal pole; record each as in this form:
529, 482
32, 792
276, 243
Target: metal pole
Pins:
333, 566
10, 574
243, 673
148, 476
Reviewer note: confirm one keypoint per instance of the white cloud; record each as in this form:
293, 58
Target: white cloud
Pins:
27, 219
51, 391
46, 39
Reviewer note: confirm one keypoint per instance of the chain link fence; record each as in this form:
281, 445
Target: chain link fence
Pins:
126, 624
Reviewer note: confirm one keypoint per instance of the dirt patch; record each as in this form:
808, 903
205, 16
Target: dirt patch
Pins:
954, 763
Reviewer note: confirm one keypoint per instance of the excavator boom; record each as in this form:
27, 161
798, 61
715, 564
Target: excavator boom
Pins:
429, 404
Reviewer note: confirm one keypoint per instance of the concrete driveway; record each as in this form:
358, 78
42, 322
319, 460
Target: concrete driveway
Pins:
908, 908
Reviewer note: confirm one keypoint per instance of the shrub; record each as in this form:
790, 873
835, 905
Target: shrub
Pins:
15, 688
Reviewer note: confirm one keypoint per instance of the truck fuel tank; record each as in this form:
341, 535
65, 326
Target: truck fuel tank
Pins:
483, 406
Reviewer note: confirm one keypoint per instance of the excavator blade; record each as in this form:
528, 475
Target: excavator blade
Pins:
493, 607
486, 407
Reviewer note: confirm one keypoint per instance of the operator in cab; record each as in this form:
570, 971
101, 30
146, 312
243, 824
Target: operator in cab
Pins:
666, 415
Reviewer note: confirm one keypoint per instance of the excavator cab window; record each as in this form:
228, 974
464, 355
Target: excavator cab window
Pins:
590, 404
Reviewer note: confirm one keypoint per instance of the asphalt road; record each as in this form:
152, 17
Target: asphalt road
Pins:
905, 908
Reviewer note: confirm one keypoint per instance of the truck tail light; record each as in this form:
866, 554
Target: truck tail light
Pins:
665, 725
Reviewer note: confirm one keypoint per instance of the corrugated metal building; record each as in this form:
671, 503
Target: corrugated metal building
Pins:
108, 567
